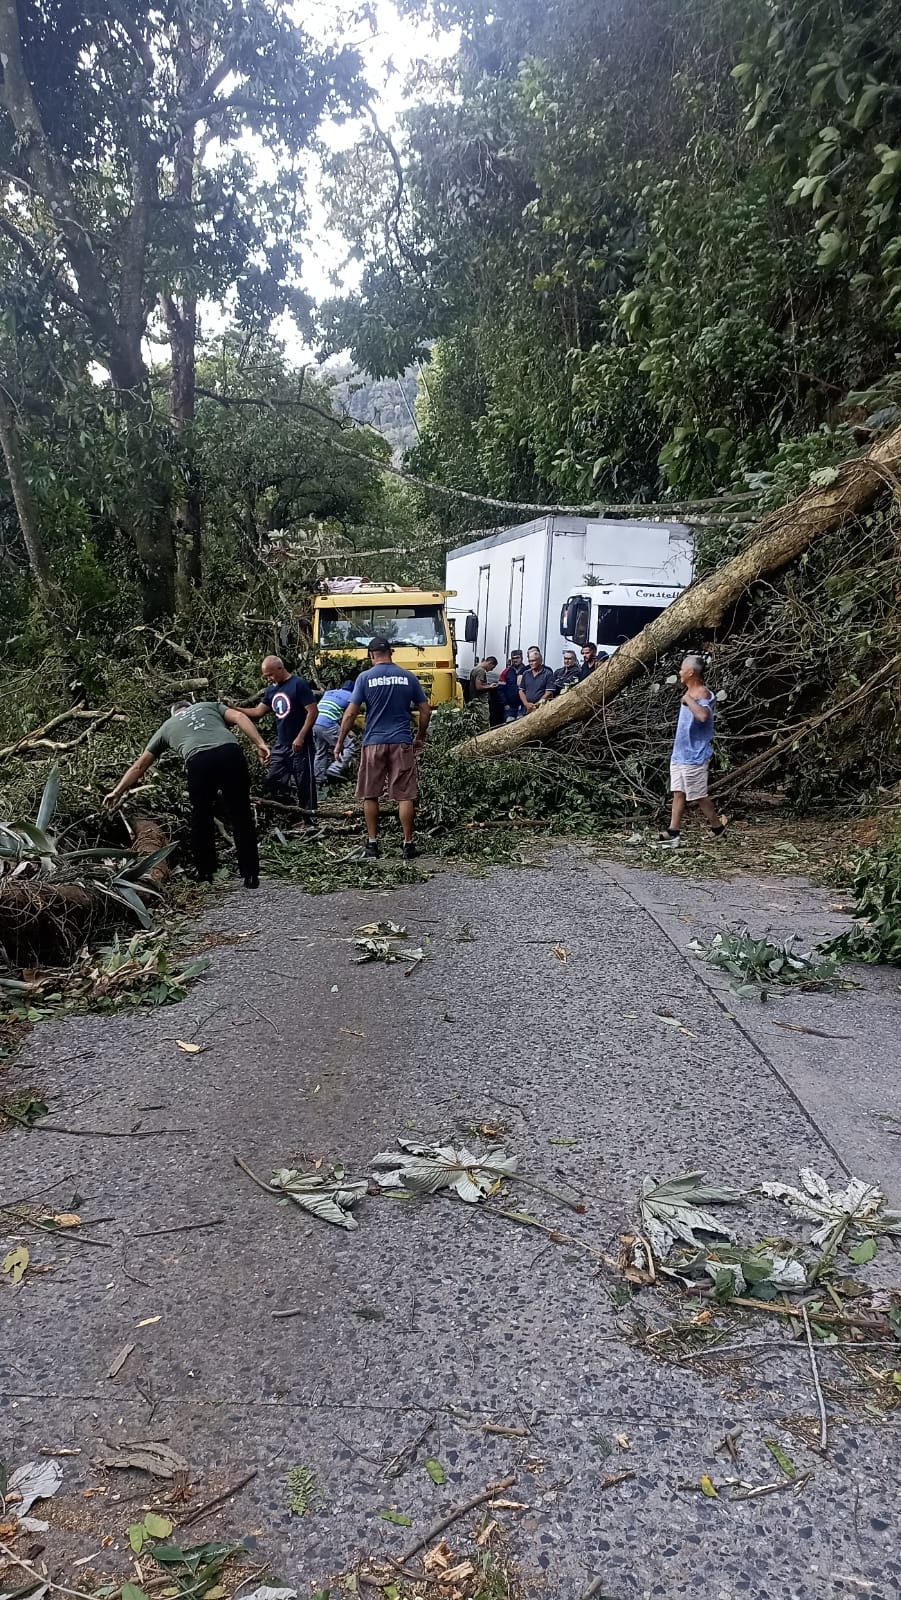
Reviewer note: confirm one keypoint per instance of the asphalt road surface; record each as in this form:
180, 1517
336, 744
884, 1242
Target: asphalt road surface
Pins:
433, 1319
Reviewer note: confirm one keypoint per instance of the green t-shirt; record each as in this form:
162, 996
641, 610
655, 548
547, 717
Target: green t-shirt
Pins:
200, 727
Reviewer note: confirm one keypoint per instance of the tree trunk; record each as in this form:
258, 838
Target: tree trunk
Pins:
783, 536
24, 502
152, 522
181, 317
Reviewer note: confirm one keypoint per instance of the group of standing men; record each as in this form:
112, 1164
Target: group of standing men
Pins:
523, 684
313, 738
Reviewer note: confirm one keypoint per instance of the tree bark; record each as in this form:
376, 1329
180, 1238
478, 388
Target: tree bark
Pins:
181, 319
24, 503
782, 537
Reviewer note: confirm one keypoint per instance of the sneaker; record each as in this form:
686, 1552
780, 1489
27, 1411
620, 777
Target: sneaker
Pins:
409, 851
669, 840
371, 852
720, 830
251, 881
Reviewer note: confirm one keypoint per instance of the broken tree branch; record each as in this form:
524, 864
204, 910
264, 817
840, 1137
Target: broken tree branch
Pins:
824, 1424
454, 1515
48, 727
218, 1500
782, 537
758, 763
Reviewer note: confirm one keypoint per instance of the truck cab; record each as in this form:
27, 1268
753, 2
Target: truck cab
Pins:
350, 611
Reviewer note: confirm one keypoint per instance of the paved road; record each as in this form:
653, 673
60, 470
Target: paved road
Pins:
437, 1311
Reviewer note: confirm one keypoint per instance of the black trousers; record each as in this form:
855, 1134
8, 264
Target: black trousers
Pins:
293, 768
211, 773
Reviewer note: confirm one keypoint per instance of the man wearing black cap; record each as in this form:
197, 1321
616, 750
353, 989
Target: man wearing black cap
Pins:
388, 755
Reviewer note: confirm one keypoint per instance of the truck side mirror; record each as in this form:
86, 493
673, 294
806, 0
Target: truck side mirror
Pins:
575, 618
471, 628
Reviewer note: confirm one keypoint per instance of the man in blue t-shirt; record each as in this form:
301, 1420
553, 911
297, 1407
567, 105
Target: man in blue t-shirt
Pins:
388, 756
537, 682
690, 759
293, 704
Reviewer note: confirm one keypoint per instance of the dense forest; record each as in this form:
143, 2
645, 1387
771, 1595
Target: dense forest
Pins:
656, 245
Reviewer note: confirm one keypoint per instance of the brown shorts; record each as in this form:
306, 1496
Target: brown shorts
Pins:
387, 768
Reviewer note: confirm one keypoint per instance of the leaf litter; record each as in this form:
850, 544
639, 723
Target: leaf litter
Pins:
326, 1194
377, 941
428, 1168
858, 1208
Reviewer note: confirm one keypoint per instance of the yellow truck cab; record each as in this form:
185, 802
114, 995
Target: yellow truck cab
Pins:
350, 611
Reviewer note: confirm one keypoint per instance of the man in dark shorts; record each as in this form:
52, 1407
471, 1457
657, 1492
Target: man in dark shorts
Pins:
388, 755
214, 765
293, 704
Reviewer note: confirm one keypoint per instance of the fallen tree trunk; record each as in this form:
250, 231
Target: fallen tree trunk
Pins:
148, 836
783, 536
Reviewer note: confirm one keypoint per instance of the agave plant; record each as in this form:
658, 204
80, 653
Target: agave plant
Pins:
30, 852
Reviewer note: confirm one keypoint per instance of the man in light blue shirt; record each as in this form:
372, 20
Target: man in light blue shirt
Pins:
332, 707
690, 761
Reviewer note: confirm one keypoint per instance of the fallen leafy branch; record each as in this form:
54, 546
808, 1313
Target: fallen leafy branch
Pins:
327, 1195
756, 964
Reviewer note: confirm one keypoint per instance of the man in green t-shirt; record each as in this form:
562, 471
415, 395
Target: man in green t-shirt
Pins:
214, 765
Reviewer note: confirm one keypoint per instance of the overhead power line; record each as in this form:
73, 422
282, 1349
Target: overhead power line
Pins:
685, 510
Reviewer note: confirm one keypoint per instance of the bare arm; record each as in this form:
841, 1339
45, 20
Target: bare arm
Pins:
254, 713
241, 721
309, 719
699, 711
347, 722
425, 717
128, 780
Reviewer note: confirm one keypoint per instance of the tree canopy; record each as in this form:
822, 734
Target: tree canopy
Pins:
651, 243
129, 191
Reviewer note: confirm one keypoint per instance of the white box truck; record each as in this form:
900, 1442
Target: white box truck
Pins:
561, 582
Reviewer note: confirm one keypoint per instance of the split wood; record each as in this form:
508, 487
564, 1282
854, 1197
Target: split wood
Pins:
453, 1516
120, 1360
816, 1379
218, 1500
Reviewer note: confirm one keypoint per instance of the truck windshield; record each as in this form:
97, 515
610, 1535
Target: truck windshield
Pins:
616, 624
421, 627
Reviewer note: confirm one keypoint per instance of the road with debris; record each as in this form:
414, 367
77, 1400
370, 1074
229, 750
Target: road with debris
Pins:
485, 1345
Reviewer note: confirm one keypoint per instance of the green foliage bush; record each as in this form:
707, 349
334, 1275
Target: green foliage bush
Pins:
877, 899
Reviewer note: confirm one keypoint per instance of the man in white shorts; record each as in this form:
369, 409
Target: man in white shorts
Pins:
690, 759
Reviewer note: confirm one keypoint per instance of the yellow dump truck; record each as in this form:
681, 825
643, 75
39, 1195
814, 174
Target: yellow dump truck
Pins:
350, 611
